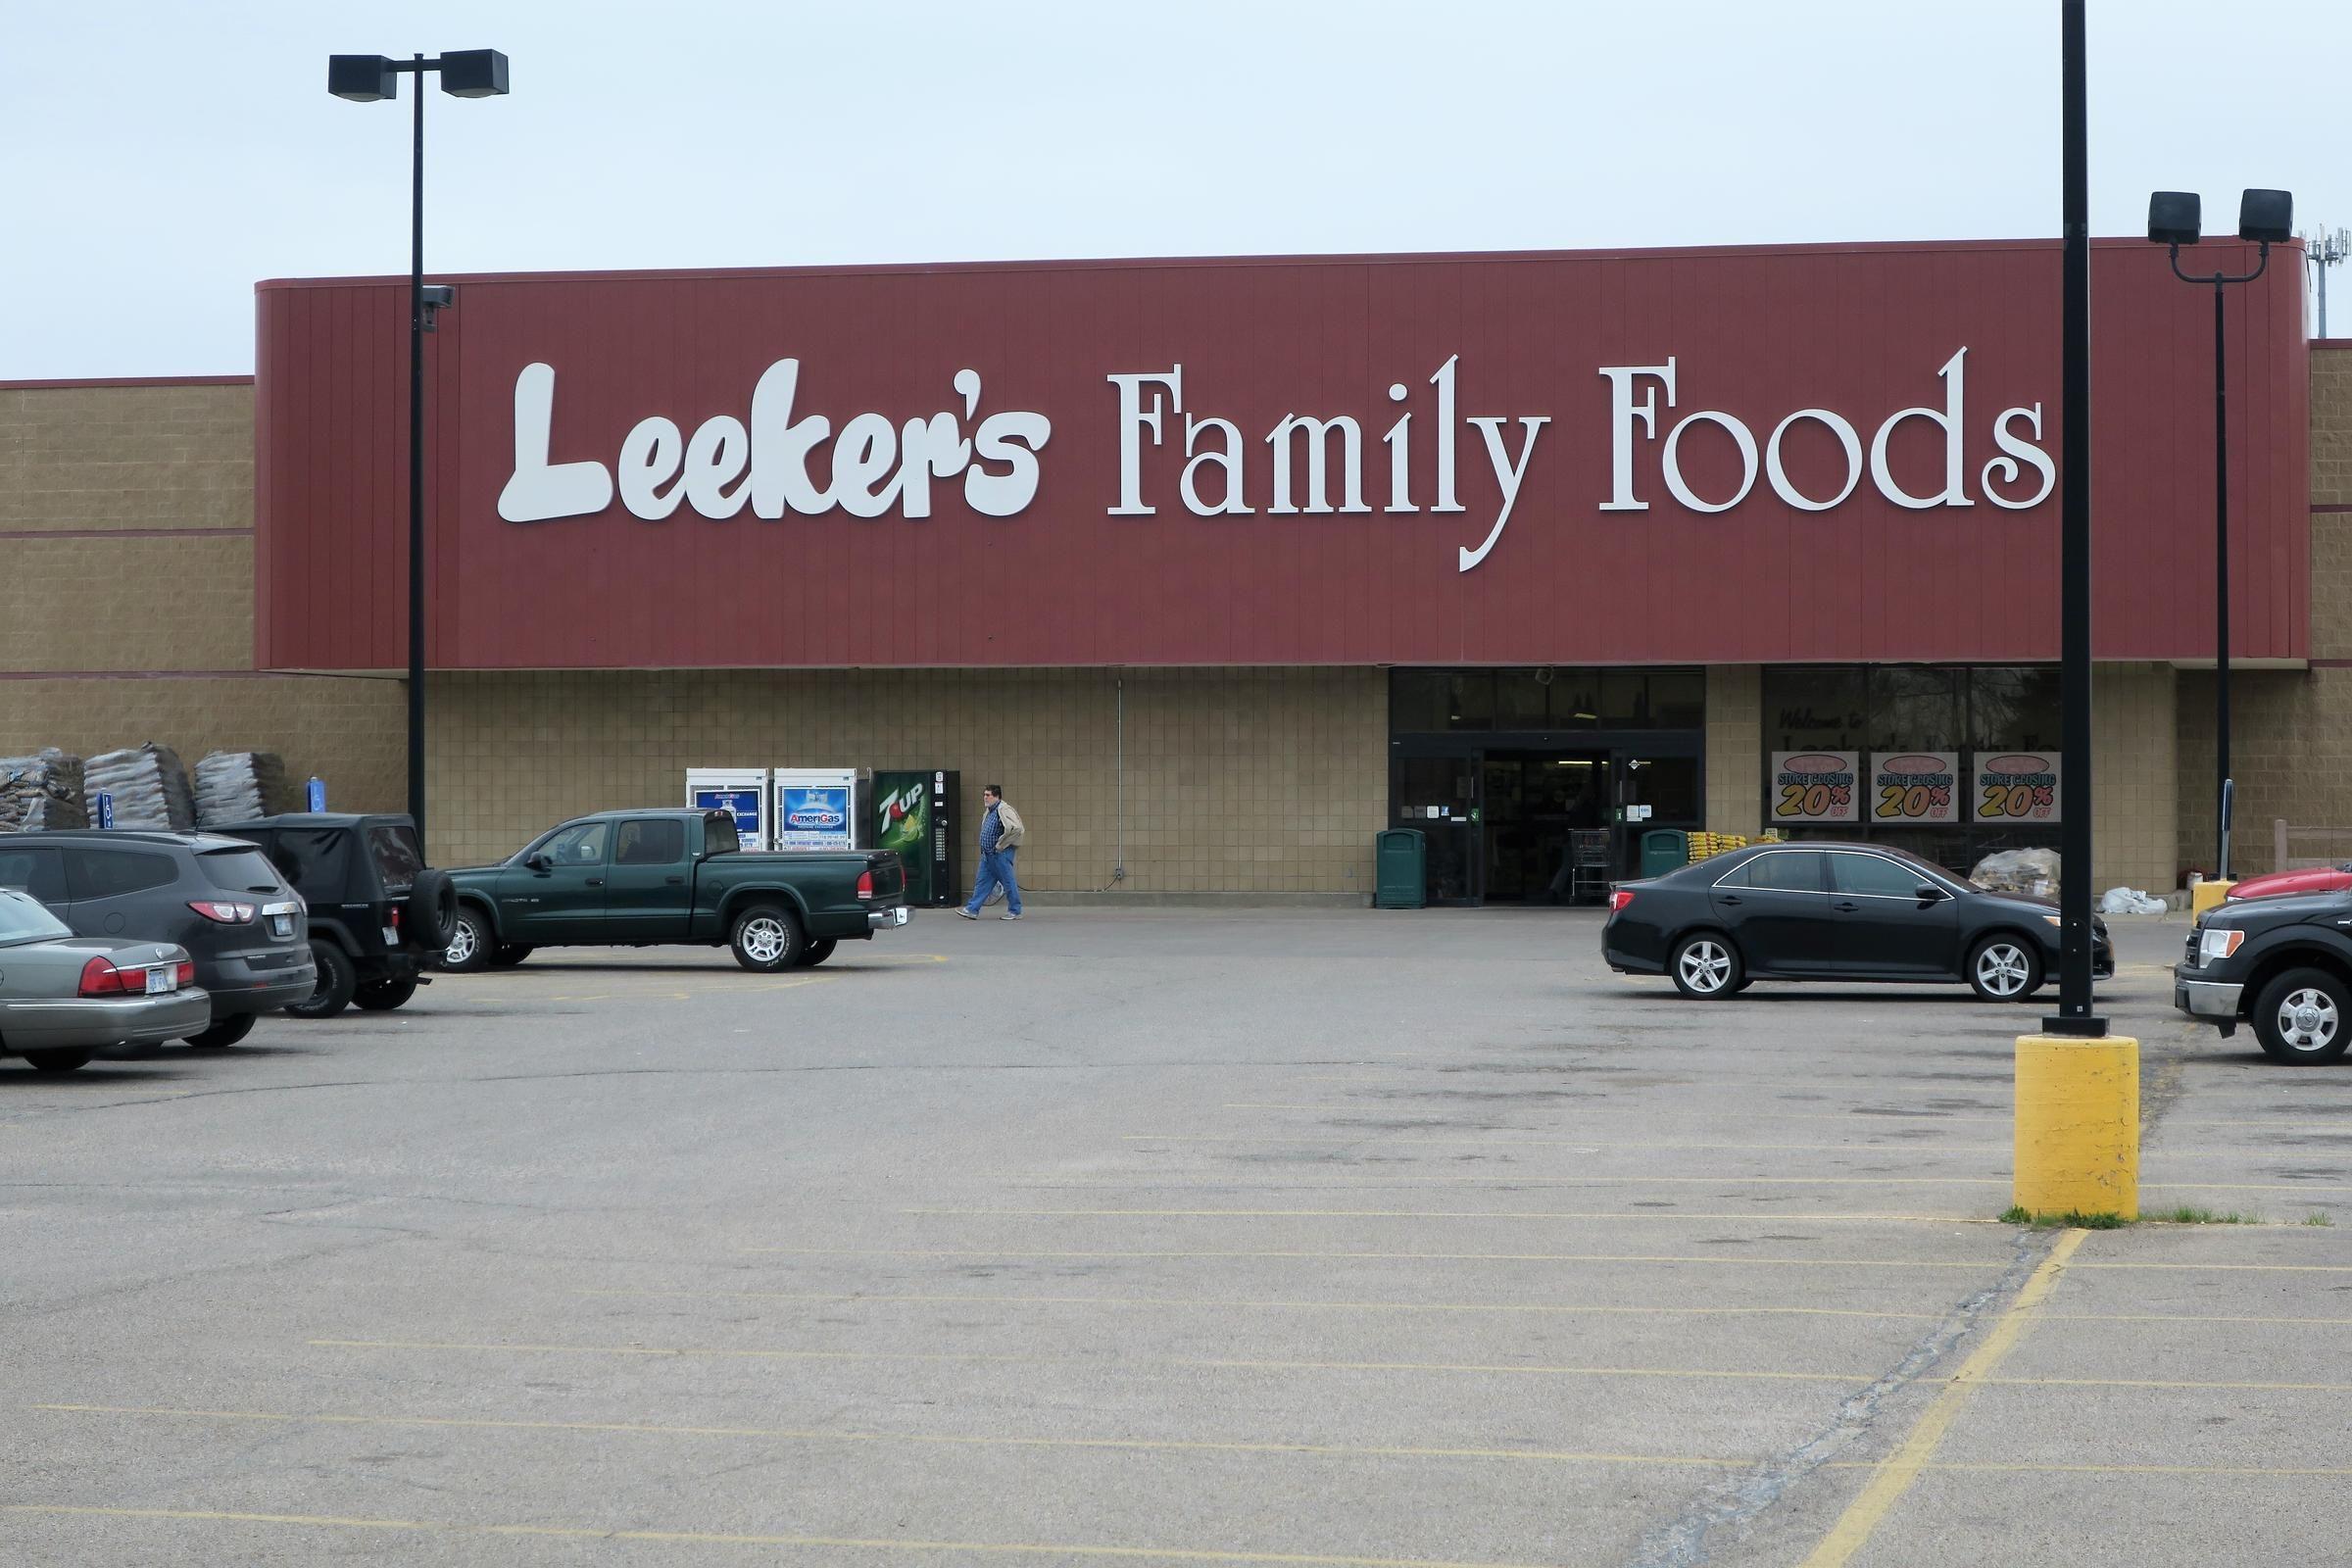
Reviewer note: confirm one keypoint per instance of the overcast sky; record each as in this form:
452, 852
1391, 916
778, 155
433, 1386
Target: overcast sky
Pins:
163, 156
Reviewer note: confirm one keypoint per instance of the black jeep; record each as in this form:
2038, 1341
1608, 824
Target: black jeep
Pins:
378, 916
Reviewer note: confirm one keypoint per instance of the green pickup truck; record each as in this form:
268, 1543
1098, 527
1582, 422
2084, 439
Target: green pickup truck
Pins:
671, 878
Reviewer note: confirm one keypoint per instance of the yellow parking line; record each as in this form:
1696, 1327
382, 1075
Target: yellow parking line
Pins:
816, 1435
1725, 1261
1895, 1474
1239, 1303
1439, 1214
706, 1538
1216, 1363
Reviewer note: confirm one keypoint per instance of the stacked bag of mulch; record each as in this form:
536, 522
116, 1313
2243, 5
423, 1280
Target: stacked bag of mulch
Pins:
42, 792
149, 784
239, 786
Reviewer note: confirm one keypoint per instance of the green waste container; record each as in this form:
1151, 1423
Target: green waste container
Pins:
1663, 850
1399, 869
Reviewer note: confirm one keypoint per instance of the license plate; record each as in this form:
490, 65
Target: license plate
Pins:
160, 981
281, 925
391, 936
900, 915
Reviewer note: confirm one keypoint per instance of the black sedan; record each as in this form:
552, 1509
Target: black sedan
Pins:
1833, 911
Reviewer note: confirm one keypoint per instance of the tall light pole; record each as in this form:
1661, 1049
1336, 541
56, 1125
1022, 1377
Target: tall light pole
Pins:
2075, 1018
370, 79
2175, 220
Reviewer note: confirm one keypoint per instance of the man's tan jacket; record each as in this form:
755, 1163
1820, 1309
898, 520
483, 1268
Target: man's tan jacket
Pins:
1009, 829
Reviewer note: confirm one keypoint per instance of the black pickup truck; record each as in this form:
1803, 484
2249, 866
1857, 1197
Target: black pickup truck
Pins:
657, 878
2282, 964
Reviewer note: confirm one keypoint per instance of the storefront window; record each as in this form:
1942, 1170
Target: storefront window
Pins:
1678, 699
1522, 699
1915, 709
1810, 707
1669, 787
2011, 709
1426, 700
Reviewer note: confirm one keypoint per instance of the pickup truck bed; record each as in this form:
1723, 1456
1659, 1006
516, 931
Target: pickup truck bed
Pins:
657, 878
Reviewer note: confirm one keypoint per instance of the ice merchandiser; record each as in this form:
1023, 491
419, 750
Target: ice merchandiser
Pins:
820, 808
741, 790
918, 813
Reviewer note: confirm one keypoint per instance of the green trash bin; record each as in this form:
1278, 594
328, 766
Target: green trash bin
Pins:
1401, 869
1663, 850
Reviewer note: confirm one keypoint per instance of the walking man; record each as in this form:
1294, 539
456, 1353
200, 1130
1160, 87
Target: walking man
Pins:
1001, 835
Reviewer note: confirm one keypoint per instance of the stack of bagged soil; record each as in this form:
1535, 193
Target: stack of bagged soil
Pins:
239, 786
41, 792
149, 784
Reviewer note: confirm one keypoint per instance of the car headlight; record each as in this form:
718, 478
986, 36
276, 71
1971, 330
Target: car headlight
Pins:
2053, 919
2214, 946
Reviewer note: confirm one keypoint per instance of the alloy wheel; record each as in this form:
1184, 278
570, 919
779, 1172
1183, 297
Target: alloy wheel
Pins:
2003, 969
461, 944
765, 940
2308, 1020
1705, 966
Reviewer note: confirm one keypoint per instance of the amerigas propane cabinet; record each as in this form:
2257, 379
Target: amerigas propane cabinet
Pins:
739, 791
820, 808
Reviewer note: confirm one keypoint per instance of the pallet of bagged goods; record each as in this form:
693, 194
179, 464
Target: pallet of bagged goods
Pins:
41, 792
239, 786
149, 784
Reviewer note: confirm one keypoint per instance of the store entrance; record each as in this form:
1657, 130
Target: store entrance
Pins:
1532, 802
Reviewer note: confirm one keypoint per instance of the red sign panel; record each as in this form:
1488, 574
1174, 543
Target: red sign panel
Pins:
1827, 453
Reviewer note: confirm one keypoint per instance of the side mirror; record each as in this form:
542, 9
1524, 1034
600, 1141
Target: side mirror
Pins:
1930, 892
537, 863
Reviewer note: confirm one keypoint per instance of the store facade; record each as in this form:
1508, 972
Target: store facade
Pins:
1223, 566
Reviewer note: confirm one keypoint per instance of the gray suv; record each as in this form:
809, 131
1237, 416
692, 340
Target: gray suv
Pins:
219, 898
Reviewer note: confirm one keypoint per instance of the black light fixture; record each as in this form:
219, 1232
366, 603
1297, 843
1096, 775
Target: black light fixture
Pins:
372, 79
2267, 218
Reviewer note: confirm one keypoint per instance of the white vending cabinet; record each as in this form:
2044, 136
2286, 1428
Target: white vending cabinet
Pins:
740, 790
819, 807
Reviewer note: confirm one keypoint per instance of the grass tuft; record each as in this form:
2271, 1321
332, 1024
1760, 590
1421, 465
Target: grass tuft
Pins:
2319, 1216
2072, 1219
2186, 1215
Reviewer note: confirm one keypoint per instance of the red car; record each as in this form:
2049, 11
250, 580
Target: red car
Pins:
2274, 883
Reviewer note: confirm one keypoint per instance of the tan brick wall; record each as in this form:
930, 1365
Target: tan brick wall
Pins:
2134, 779
1735, 760
1269, 781
136, 456
146, 603
2332, 426
2332, 584
2290, 751
347, 731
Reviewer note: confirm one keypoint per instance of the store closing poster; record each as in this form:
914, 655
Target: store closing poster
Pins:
2015, 787
1815, 787
1914, 787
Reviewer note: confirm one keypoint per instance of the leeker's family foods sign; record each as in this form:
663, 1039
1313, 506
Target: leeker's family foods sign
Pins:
783, 455
1733, 457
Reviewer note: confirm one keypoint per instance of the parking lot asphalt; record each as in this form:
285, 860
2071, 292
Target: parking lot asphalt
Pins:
1162, 1237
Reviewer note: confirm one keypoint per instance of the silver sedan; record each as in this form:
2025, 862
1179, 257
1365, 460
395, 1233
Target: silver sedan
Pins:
63, 997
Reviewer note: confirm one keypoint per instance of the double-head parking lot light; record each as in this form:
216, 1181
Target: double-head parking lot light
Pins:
372, 79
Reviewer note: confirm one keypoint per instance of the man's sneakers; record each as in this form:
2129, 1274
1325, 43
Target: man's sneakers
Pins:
1009, 917
968, 915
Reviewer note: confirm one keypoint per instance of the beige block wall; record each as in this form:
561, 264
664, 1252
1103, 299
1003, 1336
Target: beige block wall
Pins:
1262, 781
169, 467
2290, 751
127, 457
2134, 779
1735, 759
2331, 427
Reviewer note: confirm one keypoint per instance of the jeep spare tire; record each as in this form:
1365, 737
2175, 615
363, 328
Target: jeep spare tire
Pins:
432, 910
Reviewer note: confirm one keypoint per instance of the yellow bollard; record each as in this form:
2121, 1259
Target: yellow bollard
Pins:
2208, 896
2077, 1126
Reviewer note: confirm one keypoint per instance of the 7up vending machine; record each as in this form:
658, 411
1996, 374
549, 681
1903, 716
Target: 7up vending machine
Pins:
819, 807
918, 815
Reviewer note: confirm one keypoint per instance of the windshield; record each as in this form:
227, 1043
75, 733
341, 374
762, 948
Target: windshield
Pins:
24, 920
1942, 874
239, 871
397, 859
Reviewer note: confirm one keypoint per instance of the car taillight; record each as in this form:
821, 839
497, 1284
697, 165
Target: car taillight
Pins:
100, 978
1620, 898
865, 885
396, 917
188, 974
223, 912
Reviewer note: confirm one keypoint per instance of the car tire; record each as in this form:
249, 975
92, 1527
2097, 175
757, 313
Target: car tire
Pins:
766, 939
2304, 1017
470, 942
1706, 966
383, 996
336, 982
2004, 967
431, 912
56, 1061
223, 1032
819, 952
508, 955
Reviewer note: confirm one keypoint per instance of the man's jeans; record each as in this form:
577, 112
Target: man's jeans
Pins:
996, 871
